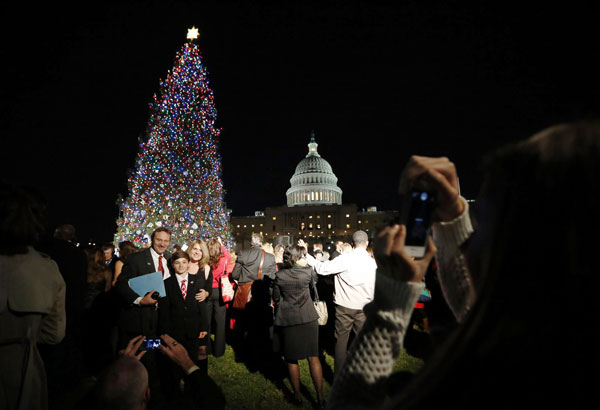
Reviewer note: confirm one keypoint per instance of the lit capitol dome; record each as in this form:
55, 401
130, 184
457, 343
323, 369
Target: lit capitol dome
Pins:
314, 182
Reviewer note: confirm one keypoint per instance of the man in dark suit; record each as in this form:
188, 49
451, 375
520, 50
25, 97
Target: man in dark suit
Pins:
109, 257
139, 314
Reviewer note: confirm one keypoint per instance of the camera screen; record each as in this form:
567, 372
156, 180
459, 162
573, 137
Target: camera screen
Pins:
150, 344
419, 217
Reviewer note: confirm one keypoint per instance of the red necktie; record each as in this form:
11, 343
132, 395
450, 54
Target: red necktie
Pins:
160, 266
183, 289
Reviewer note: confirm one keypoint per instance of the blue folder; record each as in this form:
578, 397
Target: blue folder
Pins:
145, 283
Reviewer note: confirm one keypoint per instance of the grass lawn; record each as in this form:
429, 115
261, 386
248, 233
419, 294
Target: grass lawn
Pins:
245, 389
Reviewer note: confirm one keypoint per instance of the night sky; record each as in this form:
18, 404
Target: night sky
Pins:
376, 81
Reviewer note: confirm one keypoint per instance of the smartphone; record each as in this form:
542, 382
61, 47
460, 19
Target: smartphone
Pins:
150, 344
417, 217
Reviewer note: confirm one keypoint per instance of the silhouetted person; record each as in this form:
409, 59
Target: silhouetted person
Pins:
124, 385
522, 286
247, 267
32, 302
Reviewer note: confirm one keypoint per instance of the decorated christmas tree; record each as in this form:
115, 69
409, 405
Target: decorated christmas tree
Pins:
176, 182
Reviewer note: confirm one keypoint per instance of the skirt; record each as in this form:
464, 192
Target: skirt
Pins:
300, 341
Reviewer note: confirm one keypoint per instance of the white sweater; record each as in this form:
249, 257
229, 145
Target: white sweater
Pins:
362, 382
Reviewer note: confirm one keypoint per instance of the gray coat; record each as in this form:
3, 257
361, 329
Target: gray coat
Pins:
247, 263
32, 310
291, 293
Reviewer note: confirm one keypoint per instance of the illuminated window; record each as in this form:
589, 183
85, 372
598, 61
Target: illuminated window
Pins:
318, 226
347, 215
359, 222
348, 226
328, 226
328, 216
310, 217
274, 218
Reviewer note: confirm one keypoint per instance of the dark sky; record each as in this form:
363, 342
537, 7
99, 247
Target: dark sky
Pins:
377, 81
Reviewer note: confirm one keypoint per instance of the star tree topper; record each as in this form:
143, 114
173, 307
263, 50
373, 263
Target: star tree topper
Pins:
192, 33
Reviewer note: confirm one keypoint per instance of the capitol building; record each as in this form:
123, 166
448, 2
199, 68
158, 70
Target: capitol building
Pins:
314, 211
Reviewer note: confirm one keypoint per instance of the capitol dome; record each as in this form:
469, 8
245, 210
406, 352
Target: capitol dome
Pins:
314, 182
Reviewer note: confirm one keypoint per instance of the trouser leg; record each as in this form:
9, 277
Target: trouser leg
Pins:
219, 313
359, 321
344, 318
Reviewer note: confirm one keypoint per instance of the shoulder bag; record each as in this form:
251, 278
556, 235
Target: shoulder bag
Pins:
227, 291
243, 292
320, 306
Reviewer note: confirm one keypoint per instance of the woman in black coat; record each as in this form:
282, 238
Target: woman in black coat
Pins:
297, 319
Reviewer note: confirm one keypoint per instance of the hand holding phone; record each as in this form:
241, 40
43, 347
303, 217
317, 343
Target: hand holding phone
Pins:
417, 215
151, 344
442, 178
134, 348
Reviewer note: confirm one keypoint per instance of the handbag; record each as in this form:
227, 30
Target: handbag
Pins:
243, 292
227, 291
320, 307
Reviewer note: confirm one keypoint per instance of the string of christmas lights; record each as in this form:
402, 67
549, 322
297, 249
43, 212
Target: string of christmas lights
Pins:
177, 179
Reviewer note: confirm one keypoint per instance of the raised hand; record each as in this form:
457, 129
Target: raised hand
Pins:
133, 346
441, 175
176, 352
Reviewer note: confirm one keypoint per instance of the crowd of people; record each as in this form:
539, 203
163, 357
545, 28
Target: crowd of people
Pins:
514, 272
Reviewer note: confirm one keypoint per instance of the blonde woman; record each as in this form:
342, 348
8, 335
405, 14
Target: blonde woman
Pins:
199, 257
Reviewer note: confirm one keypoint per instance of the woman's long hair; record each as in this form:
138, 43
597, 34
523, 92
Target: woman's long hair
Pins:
126, 248
526, 341
97, 271
214, 252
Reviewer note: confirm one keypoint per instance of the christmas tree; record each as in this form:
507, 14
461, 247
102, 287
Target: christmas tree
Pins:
177, 178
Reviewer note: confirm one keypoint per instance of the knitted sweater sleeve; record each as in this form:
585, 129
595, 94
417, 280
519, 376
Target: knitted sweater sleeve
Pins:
362, 382
455, 279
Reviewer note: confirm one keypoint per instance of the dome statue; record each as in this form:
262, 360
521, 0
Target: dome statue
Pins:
314, 182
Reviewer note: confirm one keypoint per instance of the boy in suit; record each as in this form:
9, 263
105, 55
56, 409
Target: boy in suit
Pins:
181, 314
